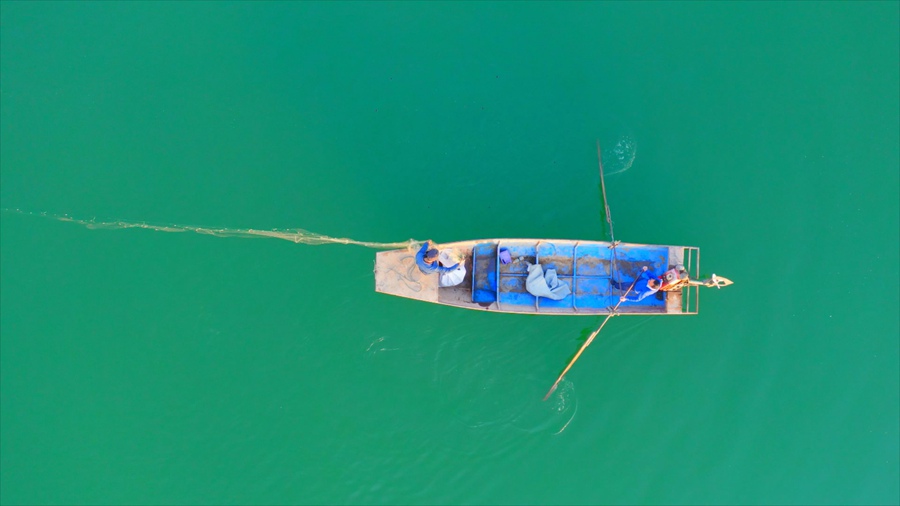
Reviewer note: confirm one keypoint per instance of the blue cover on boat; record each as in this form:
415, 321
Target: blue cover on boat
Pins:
594, 268
512, 275
512, 291
631, 259
593, 260
516, 251
484, 273
557, 256
593, 292
586, 268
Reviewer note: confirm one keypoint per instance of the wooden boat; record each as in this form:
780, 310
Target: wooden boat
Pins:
588, 267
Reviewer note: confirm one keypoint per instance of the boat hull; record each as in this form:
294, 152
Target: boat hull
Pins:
590, 268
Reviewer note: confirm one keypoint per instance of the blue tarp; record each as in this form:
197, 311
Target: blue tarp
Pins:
586, 269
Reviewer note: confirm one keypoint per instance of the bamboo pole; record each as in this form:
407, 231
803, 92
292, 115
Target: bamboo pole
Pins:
588, 342
603, 189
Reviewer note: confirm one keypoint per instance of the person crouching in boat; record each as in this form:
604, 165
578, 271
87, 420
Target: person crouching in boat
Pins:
427, 260
646, 285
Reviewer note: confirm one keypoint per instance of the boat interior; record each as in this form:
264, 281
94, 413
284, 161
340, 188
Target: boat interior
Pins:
589, 268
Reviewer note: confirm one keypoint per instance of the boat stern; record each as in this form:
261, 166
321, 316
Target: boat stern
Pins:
396, 273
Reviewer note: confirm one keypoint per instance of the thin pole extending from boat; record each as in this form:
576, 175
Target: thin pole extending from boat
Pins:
612, 235
603, 189
588, 342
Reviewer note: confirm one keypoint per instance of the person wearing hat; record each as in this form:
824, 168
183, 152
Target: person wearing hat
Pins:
427, 260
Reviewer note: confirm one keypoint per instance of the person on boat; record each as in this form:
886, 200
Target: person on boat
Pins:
427, 260
647, 284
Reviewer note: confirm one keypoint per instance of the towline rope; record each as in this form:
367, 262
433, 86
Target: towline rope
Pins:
297, 235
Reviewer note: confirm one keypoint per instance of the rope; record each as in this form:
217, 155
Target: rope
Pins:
297, 235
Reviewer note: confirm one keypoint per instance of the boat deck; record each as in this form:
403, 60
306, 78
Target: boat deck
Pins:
587, 267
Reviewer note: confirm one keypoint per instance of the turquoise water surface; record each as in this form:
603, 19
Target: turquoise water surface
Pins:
145, 367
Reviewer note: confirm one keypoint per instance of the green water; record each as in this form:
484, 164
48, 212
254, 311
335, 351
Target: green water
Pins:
143, 367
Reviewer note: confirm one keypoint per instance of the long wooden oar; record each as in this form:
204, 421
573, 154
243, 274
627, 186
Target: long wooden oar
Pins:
588, 342
603, 189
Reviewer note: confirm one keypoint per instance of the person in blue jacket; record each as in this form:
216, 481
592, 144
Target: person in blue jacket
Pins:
427, 260
646, 285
